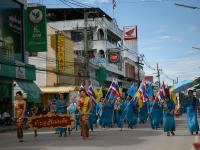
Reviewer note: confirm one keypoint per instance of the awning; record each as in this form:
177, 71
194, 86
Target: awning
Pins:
58, 89
32, 91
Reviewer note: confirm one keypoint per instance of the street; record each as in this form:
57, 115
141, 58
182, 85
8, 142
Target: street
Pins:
141, 138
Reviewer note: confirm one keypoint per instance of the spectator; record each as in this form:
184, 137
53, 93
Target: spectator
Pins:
1, 120
6, 118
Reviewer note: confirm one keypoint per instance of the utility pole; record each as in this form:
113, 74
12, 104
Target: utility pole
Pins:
158, 74
86, 42
177, 80
139, 63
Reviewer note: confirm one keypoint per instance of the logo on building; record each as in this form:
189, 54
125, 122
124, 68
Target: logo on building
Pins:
130, 33
36, 15
114, 57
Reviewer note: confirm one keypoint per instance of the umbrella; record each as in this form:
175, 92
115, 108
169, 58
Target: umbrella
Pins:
183, 85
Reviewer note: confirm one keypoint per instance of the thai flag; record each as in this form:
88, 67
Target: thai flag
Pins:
115, 88
161, 93
143, 90
92, 94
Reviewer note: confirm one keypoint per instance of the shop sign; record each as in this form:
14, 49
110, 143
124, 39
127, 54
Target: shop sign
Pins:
61, 52
36, 32
51, 121
130, 33
114, 57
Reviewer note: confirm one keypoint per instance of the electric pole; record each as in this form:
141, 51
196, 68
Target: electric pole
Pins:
158, 74
139, 63
86, 42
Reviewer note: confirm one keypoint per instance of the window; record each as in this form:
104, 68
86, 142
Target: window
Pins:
76, 36
33, 54
100, 34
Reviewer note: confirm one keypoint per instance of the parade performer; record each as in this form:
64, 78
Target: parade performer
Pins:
154, 112
131, 112
119, 110
71, 110
19, 111
168, 115
99, 112
192, 105
92, 118
143, 113
61, 105
84, 107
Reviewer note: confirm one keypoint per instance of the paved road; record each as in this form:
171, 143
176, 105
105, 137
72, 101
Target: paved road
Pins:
141, 138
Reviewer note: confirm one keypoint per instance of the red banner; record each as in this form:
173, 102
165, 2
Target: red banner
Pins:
51, 121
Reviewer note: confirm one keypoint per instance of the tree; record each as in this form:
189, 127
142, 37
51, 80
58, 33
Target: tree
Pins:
197, 80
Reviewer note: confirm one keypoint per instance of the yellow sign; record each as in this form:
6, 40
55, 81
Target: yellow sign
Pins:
61, 52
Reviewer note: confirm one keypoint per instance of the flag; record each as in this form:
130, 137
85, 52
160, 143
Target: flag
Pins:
149, 91
92, 94
82, 87
164, 90
114, 4
111, 96
132, 90
142, 94
98, 93
114, 87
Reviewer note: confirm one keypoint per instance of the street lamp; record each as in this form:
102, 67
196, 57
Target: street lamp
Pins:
187, 6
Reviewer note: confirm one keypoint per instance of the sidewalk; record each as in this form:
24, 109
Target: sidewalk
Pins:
7, 128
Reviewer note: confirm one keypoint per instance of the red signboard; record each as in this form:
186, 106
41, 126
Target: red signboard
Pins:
51, 121
114, 57
130, 33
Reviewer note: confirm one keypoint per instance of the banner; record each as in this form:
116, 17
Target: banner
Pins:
51, 121
35, 29
61, 52
130, 33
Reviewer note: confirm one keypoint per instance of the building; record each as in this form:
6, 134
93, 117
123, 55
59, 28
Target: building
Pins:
57, 65
15, 73
102, 45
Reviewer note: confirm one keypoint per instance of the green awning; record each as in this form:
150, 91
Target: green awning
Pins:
31, 89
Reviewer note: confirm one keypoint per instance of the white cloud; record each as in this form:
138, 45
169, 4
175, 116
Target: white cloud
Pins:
193, 28
171, 37
184, 68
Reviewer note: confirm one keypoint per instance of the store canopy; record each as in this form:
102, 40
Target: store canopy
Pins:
32, 91
58, 89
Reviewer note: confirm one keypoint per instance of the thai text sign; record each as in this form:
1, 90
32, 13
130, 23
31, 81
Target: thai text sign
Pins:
36, 32
51, 121
61, 52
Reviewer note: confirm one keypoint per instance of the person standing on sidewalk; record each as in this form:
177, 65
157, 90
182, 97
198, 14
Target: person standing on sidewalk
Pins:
192, 105
19, 111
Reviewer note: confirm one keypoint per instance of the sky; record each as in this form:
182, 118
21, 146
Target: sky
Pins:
166, 33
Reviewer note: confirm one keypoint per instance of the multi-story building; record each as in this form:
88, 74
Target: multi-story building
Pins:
103, 37
15, 73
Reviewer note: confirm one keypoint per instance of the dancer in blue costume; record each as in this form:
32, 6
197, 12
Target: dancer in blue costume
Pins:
71, 109
92, 117
131, 112
99, 112
110, 113
119, 109
153, 110
143, 113
160, 115
168, 115
61, 105
192, 105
